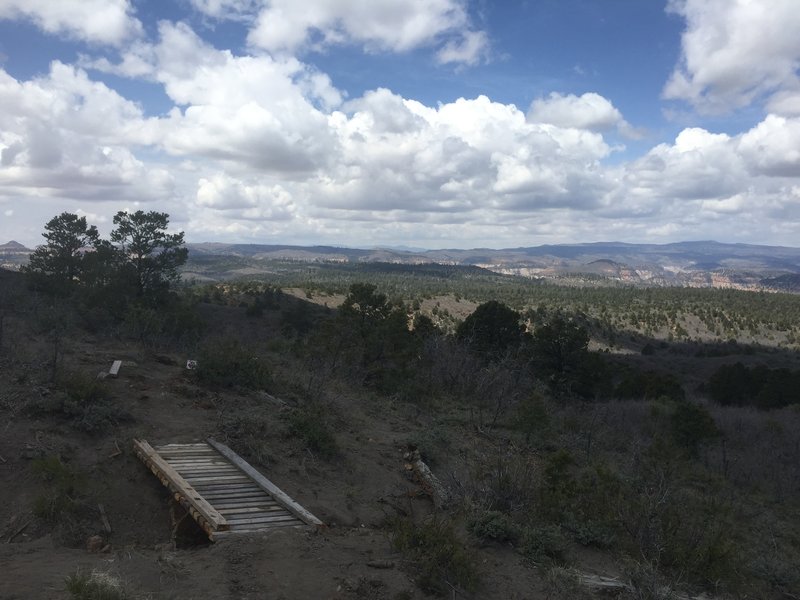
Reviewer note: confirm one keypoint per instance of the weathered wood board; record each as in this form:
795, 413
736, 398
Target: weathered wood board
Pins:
115, 367
221, 491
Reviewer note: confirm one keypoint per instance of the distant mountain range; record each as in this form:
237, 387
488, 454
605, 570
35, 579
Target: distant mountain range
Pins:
697, 264
13, 255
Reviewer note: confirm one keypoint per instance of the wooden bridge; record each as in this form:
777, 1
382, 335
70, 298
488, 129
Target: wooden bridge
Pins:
220, 490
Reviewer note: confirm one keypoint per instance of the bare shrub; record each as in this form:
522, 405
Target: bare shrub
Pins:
97, 585
442, 561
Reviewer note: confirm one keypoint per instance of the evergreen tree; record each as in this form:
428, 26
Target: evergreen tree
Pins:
152, 256
61, 260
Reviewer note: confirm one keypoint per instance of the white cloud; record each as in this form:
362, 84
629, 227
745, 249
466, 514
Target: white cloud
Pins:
785, 103
716, 185
226, 9
98, 21
773, 147
92, 217
253, 201
589, 111
470, 49
378, 25
698, 165
63, 135
398, 154
735, 51
265, 147
258, 112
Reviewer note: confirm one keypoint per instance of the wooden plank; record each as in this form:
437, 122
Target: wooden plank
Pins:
179, 449
189, 458
200, 462
206, 471
179, 485
223, 505
223, 493
239, 499
196, 467
214, 500
203, 468
261, 519
201, 456
256, 527
184, 450
266, 524
232, 487
289, 504
186, 456
239, 477
243, 497
218, 479
104, 518
197, 463
115, 367
240, 510
218, 493
223, 484
189, 444
248, 530
206, 474
248, 507
255, 520
189, 451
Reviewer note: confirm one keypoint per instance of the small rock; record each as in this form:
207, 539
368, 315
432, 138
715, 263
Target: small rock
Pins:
95, 544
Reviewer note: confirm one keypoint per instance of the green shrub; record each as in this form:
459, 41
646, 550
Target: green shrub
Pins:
83, 389
249, 433
649, 385
599, 533
440, 558
564, 583
59, 499
84, 402
775, 566
311, 425
509, 486
533, 418
544, 543
647, 582
679, 520
229, 364
177, 323
692, 425
88, 405
255, 310
493, 525
96, 585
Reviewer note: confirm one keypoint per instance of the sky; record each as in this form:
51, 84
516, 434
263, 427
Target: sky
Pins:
416, 123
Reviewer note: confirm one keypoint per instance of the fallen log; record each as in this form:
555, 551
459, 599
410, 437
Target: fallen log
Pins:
420, 473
